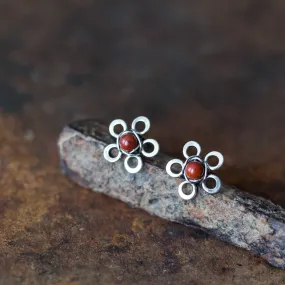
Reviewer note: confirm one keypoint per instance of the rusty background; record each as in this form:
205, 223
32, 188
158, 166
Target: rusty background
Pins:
211, 71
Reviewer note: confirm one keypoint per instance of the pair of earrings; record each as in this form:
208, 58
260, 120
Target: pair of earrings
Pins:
194, 170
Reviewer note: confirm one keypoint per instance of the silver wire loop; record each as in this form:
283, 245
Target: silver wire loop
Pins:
146, 122
191, 144
114, 124
216, 188
169, 165
133, 169
187, 196
220, 158
155, 148
107, 153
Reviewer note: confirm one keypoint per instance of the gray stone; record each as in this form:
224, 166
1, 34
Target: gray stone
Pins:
243, 220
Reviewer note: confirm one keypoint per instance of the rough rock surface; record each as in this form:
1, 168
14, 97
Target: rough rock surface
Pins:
244, 220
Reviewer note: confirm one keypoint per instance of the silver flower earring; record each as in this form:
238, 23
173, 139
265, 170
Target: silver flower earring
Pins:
131, 143
195, 170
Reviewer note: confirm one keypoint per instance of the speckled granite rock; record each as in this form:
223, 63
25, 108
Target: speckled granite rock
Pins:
244, 220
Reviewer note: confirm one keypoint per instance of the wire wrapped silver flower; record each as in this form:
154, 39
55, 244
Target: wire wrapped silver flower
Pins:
131, 143
195, 170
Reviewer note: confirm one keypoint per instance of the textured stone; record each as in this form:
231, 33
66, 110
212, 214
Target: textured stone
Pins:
241, 219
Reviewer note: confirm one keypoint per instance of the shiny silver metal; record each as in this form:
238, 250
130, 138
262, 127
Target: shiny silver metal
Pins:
206, 168
187, 196
138, 152
107, 153
136, 168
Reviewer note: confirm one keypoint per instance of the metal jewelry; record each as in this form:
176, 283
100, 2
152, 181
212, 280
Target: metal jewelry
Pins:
131, 143
195, 170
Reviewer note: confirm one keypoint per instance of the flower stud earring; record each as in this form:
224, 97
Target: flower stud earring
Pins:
131, 143
195, 170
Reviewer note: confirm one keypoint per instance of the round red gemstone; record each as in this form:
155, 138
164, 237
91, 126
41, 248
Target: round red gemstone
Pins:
194, 170
128, 142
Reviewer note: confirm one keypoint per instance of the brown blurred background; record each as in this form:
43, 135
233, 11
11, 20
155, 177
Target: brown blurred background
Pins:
210, 71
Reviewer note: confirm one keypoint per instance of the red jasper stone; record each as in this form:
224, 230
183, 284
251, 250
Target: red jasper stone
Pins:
194, 170
128, 142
